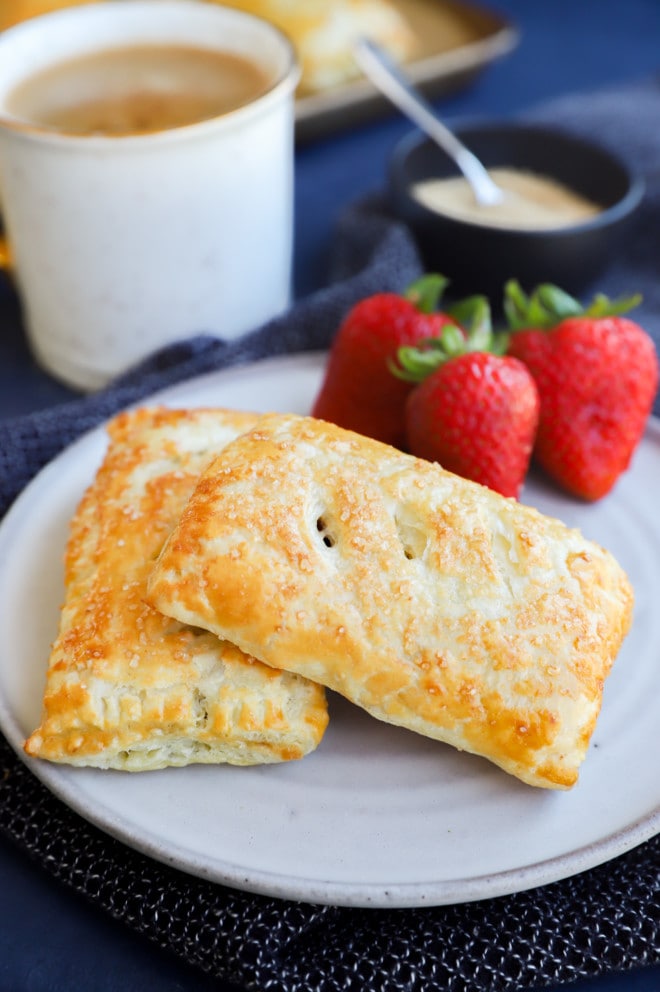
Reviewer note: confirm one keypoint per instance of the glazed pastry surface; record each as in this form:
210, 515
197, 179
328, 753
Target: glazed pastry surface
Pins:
127, 687
430, 601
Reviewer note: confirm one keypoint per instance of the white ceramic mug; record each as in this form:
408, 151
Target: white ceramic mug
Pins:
123, 244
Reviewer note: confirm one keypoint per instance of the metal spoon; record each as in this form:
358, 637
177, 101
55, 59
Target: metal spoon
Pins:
382, 71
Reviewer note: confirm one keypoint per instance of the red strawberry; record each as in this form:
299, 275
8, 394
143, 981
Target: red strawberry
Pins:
476, 414
358, 391
597, 376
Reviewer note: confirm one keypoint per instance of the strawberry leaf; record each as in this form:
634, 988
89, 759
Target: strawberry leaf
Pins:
473, 313
452, 341
425, 293
500, 343
549, 305
415, 364
558, 304
602, 306
522, 310
469, 311
515, 304
538, 314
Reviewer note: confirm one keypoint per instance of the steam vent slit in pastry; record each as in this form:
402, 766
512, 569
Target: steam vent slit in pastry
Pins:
127, 687
432, 602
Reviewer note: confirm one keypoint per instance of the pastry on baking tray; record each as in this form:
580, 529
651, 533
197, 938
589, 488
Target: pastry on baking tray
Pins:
323, 32
127, 687
430, 601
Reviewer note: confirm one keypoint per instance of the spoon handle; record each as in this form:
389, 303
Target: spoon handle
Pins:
382, 71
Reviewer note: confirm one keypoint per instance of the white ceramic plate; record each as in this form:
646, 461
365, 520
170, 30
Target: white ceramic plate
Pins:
376, 816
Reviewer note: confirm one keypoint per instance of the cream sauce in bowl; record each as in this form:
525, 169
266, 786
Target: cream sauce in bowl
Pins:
531, 201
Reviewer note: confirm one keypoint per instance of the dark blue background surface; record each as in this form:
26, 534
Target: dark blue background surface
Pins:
50, 940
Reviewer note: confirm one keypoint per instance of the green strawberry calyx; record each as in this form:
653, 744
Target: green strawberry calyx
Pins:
426, 292
471, 332
547, 306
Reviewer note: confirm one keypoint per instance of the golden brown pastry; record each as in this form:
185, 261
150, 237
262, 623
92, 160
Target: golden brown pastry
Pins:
430, 601
323, 32
127, 687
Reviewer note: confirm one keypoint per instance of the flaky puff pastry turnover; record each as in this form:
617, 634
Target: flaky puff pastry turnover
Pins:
127, 687
432, 602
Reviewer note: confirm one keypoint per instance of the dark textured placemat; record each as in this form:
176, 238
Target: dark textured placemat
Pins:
602, 920
606, 919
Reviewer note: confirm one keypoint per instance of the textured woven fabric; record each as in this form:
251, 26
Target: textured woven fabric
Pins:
603, 920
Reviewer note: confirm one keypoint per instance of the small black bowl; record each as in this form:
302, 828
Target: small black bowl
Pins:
480, 258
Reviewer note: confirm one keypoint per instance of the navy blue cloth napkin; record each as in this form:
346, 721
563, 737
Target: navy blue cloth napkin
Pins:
603, 920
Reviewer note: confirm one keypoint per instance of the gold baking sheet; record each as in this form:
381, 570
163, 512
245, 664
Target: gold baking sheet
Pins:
454, 42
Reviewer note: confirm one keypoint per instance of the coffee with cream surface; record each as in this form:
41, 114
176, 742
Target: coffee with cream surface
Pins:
531, 201
137, 89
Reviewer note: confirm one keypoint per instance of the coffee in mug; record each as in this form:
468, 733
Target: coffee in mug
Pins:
146, 178
137, 89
